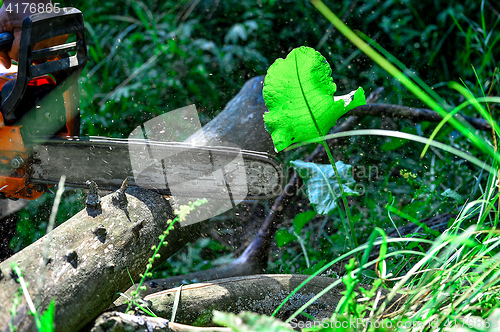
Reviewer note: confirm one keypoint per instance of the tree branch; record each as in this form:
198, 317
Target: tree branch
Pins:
414, 114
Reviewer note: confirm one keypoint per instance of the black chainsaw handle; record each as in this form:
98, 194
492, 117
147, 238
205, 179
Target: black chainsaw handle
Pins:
6, 40
69, 58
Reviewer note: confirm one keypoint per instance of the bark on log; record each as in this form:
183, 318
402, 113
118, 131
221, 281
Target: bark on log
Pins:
89, 260
241, 122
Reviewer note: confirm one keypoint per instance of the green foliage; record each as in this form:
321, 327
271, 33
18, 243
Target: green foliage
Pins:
349, 303
298, 92
47, 318
313, 268
247, 321
322, 187
283, 237
301, 219
43, 322
181, 214
393, 144
150, 57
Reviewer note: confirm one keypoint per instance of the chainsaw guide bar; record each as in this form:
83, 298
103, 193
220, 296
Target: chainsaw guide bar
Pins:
169, 168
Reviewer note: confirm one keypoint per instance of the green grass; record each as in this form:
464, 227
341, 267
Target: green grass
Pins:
458, 275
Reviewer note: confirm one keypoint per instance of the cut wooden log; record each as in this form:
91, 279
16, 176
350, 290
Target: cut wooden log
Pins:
261, 294
90, 259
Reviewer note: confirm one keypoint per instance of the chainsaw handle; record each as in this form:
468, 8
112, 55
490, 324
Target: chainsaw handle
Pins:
71, 57
6, 40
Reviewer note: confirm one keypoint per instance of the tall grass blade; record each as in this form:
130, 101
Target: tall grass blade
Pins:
411, 86
398, 134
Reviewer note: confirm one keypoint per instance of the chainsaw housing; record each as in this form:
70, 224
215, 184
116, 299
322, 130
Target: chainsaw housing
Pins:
41, 99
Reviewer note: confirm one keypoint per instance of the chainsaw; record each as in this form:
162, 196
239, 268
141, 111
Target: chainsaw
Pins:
40, 127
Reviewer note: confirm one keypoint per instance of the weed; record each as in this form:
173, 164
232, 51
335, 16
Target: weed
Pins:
308, 102
181, 215
43, 322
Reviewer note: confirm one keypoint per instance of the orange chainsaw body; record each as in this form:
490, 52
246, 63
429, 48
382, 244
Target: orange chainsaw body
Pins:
25, 114
13, 154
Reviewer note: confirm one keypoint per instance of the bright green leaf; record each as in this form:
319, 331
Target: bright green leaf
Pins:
302, 219
247, 321
47, 318
283, 238
296, 88
353, 99
321, 185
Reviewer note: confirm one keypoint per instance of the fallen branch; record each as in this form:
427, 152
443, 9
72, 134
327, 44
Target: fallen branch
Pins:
118, 321
414, 114
90, 259
261, 294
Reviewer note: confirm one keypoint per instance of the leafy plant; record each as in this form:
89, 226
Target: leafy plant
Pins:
429, 97
451, 256
298, 91
322, 187
247, 321
181, 215
301, 219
